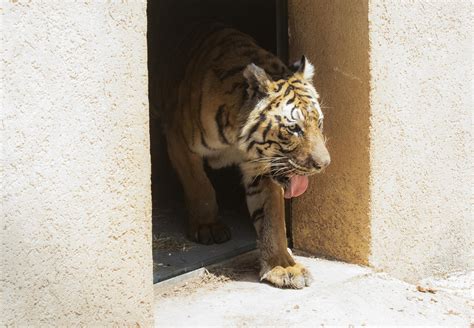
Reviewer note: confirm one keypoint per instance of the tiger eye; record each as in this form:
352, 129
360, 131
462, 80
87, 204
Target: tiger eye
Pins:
295, 129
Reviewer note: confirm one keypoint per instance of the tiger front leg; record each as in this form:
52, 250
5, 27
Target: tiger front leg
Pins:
203, 224
266, 206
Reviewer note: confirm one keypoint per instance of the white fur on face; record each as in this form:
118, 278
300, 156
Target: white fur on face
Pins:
308, 71
292, 113
316, 104
320, 112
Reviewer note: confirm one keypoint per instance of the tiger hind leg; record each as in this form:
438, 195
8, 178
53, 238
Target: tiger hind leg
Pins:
203, 224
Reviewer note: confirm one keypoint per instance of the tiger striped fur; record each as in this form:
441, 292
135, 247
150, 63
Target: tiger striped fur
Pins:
235, 103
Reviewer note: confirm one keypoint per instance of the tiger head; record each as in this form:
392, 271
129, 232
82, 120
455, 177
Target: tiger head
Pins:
282, 133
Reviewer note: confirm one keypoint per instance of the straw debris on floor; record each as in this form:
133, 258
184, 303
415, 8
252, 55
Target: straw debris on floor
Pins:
210, 280
172, 243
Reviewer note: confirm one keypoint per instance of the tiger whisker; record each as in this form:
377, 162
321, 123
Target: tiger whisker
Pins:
283, 171
264, 159
326, 139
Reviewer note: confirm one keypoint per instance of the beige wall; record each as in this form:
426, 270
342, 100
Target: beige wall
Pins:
397, 195
332, 218
76, 227
421, 162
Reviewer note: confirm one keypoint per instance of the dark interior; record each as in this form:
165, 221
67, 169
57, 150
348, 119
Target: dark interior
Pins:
173, 253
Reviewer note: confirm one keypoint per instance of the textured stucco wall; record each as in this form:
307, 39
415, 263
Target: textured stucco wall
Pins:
421, 162
397, 194
76, 221
332, 217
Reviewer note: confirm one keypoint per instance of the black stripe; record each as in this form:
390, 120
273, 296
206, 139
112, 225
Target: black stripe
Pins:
199, 122
229, 48
187, 146
287, 92
249, 53
256, 60
282, 180
253, 129
299, 90
281, 137
254, 192
292, 100
233, 35
267, 129
273, 104
268, 143
220, 55
257, 214
193, 135
250, 145
234, 39
279, 86
255, 182
304, 95
240, 41
228, 73
204, 143
235, 85
275, 66
221, 122
292, 111
287, 151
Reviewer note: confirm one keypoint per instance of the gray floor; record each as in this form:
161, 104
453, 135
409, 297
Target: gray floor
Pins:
341, 295
174, 254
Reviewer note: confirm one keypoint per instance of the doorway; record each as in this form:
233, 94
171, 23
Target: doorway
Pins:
173, 252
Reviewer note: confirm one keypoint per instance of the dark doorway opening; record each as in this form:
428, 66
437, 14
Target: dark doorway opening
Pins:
173, 253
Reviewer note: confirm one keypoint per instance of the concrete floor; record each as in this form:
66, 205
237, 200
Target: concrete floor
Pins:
230, 295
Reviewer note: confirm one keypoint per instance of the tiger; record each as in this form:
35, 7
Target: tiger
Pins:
226, 101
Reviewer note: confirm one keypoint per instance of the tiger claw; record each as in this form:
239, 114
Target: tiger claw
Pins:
296, 276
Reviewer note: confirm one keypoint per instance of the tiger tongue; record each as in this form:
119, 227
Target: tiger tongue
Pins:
296, 186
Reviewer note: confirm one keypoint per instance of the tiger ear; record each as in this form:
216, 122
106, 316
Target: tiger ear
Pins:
257, 79
304, 67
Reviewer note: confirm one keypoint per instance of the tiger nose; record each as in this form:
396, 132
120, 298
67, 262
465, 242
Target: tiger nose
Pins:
321, 163
324, 162
320, 157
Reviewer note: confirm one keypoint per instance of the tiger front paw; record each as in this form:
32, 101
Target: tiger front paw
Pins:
294, 276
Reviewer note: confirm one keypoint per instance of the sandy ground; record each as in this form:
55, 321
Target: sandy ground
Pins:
230, 295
